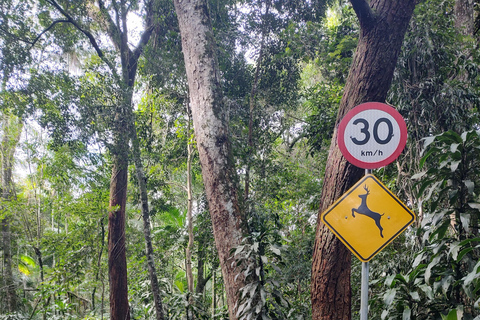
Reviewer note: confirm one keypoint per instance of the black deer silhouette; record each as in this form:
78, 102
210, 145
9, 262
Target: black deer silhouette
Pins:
363, 209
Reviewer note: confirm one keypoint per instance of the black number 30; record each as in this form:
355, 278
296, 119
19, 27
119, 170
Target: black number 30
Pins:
366, 133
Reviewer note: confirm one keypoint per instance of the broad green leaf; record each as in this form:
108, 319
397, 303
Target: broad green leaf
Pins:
275, 250
474, 205
28, 260
454, 165
465, 220
23, 269
428, 290
472, 275
389, 280
454, 249
431, 265
419, 175
428, 141
452, 315
384, 314
406, 313
470, 185
415, 296
239, 249
454, 147
389, 296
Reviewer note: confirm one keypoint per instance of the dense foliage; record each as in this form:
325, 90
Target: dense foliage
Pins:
283, 65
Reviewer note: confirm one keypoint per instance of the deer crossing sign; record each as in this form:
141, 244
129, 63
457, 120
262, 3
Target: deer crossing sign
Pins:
367, 217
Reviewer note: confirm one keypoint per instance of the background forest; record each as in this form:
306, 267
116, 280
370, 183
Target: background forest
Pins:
94, 103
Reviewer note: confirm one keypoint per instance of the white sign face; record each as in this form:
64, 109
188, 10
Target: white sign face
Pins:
372, 135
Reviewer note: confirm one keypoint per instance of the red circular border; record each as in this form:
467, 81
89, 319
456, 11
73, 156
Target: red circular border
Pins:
368, 106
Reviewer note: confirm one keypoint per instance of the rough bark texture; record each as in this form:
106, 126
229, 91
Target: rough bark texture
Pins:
12, 128
117, 262
189, 249
383, 26
211, 132
464, 21
146, 226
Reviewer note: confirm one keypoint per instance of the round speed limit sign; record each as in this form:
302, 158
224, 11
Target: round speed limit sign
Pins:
372, 135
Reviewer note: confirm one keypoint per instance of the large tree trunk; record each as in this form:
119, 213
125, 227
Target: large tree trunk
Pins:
383, 25
464, 20
117, 261
211, 131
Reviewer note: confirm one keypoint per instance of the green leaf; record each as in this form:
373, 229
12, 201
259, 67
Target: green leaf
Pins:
472, 275
389, 296
428, 290
431, 265
389, 280
470, 185
275, 250
28, 260
384, 314
239, 249
452, 315
474, 205
415, 296
23, 269
454, 165
428, 141
419, 175
454, 147
406, 313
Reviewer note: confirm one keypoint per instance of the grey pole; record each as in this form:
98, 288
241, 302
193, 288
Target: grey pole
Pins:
364, 289
364, 292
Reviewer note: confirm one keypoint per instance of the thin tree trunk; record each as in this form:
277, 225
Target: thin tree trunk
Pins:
211, 131
214, 298
146, 226
383, 26
12, 128
189, 250
99, 261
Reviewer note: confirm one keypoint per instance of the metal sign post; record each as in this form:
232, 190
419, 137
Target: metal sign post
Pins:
364, 292
365, 276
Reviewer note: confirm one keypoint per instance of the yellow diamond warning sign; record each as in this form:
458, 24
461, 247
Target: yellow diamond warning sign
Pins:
368, 217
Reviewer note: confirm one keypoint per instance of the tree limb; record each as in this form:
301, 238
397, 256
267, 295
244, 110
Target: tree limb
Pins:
147, 33
46, 30
113, 29
8, 33
364, 12
87, 33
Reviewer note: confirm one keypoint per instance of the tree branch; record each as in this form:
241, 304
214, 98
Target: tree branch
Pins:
113, 29
364, 12
147, 33
87, 33
8, 33
46, 30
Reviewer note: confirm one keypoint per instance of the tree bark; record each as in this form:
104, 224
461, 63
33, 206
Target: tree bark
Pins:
117, 261
189, 250
211, 131
146, 226
383, 25
464, 20
12, 128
